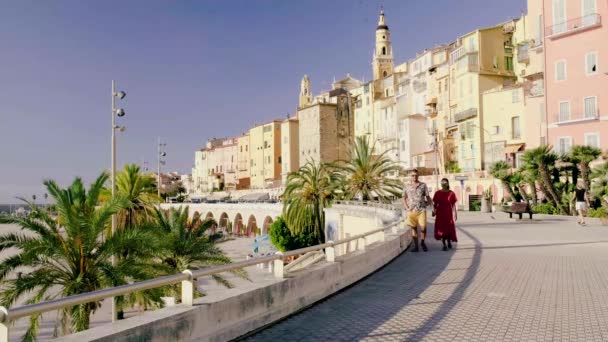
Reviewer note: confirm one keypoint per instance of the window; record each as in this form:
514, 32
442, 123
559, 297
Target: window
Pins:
592, 139
563, 145
590, 107
384, 73
509, 63
439, 88
268, 160
515, 128
472, 43
267, 128
515, 96
402, 145
367, 100
564, 111
386, 90
279, 159
538, 40
560, 70
446, 85
241, 148
285, 140
559, 16
246, 148
591, 63
589, 12
384, 50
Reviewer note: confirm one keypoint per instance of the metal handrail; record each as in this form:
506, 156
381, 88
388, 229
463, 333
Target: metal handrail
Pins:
7, 315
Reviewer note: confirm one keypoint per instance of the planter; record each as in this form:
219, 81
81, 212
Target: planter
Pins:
486, 205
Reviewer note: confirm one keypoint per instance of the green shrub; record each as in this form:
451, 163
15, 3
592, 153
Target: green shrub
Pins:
598, 213
545, 208
475, 206
282, 238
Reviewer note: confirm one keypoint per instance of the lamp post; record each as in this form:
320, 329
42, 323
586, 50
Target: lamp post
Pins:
120, 113
161, 161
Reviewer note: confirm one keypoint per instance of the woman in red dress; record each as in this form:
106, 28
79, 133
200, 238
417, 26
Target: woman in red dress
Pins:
445, 212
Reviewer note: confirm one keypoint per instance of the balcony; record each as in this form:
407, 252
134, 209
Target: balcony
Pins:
523, 54
461, 52
562, 119
465, 114
450, 123
573, 26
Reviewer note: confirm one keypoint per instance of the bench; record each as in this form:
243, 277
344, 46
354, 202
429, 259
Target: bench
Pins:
518, 208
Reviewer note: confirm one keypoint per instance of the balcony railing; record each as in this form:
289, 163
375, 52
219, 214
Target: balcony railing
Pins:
562, 118
574, 25
465, 114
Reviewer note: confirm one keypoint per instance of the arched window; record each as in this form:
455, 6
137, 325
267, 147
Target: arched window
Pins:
384, 50
384, 73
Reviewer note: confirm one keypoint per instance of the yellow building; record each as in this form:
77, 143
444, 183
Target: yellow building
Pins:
265, 155
243, 156
503, 125
290, 151
481, 60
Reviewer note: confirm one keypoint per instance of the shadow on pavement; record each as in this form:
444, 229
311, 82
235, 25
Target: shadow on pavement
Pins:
375, 308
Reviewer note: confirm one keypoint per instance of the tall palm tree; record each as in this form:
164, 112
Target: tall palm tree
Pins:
544, 159
67, 254
530, 177
584, 155
140, 190
309, 190
188, 244
502, 171
364, 174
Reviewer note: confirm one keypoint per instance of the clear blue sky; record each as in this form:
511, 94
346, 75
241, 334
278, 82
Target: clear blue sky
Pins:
192, 70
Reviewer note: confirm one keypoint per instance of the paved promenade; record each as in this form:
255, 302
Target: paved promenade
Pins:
541, 280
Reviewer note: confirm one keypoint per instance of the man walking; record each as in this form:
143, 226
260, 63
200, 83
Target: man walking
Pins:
415, 199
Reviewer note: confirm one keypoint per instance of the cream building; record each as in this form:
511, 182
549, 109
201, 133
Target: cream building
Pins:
481, 60
326, 128
265, 154
243, 161
290, 149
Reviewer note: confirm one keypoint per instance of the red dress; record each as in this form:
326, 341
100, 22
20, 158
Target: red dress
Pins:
443, 202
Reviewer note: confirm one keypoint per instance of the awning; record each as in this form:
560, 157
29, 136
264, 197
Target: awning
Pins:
432, 101
512, 149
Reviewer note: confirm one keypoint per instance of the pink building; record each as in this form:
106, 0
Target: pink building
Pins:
576, 72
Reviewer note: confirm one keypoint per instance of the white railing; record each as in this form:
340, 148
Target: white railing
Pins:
188, 277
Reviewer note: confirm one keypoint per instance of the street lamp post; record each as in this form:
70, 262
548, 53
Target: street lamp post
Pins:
115, 112
161, 154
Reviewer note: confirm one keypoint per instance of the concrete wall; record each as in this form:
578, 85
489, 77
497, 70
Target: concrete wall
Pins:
236, 312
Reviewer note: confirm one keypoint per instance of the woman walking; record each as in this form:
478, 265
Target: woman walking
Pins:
444, 210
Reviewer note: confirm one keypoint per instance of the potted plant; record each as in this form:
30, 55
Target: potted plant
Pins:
486, 202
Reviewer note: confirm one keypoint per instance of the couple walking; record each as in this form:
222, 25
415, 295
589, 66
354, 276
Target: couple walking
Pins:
415, 200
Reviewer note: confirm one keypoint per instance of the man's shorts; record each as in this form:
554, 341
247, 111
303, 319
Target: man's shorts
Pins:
416, 219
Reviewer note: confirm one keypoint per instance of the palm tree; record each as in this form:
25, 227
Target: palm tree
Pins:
188, 244
309, 190
140, 190
544, 159
502, 171
365, 174
599, 187
530, 176
584, 155
67, 254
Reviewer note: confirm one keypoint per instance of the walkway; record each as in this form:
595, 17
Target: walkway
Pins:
543, 280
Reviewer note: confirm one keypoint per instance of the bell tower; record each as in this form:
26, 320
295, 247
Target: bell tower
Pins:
305, 96
383, 62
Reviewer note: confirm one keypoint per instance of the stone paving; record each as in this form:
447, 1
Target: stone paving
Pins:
507, 280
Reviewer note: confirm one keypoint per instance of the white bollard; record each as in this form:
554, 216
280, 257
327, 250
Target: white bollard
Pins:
330, 253
278, 266
188, 289
4, 323
361, 244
